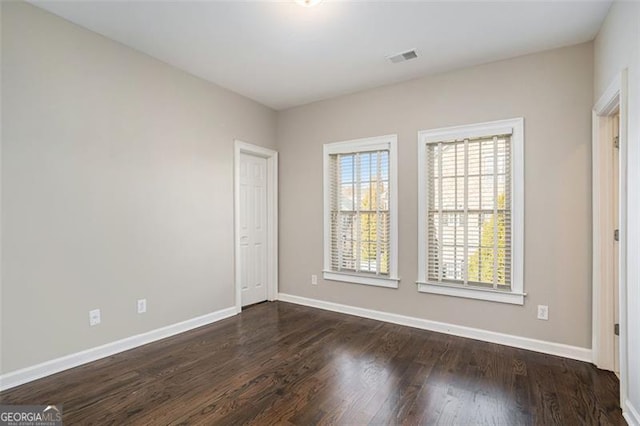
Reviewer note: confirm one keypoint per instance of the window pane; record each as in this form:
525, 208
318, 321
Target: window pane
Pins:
384, 196
474, 193
346, 196
365, 196
487, 152
448, 161
486, 192
360, 231
365, 164
346, 168
467, 241
460, 159
474, 159
384, 166
448, 193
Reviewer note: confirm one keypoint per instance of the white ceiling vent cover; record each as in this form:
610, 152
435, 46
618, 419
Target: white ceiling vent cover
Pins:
404, 56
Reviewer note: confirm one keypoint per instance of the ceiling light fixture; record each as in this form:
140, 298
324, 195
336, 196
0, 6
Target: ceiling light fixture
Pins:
308, 3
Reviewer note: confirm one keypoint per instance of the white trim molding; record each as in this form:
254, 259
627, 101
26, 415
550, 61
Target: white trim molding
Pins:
360, 279
609, 100
515, 128
630, 414
491, 295
47, 368
387, 142
272, 217
551, 348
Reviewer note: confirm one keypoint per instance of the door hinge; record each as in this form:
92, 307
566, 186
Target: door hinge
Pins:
616, 329
616, 235
616, 142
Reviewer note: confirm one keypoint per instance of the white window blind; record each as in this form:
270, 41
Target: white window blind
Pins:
468, 212
359, 212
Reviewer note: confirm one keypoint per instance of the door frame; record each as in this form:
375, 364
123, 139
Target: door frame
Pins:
271, 156
614, 100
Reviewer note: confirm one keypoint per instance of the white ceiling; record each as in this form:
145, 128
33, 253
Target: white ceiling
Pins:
283, 55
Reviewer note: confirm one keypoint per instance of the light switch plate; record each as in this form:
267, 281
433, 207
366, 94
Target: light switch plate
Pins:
94, 317
543, 312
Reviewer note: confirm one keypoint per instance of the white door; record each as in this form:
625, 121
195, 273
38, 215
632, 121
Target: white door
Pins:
616, 251
253, 229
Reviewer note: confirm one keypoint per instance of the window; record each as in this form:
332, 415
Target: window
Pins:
471, 211
360, 211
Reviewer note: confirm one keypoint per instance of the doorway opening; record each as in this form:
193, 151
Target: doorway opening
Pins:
256, 222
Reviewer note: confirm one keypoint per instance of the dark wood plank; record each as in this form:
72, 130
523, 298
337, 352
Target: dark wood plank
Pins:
279, 363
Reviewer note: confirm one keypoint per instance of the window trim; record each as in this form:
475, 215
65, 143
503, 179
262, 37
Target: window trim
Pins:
515, 126
389, 142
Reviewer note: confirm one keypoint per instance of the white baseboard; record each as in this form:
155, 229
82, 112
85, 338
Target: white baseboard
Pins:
559, 349
28, 374
630, 414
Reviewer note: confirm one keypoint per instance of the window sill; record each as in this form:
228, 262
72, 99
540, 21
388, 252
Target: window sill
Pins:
361, 279
513, 298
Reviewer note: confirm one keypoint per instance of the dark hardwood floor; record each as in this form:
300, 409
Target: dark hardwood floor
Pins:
287, 364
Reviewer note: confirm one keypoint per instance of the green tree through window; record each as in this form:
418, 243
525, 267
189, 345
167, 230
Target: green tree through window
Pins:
481, 263
369, 227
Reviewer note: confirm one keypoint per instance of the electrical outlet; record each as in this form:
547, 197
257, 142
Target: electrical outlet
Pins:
543, 312
94, 317
314, 280
142, 306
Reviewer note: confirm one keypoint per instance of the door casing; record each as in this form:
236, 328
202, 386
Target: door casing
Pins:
613, 102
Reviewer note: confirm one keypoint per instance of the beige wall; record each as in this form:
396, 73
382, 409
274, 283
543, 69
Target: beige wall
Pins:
117, 184
553, 92
617, 47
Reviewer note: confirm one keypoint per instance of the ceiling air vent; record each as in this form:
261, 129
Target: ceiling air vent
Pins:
404, 56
